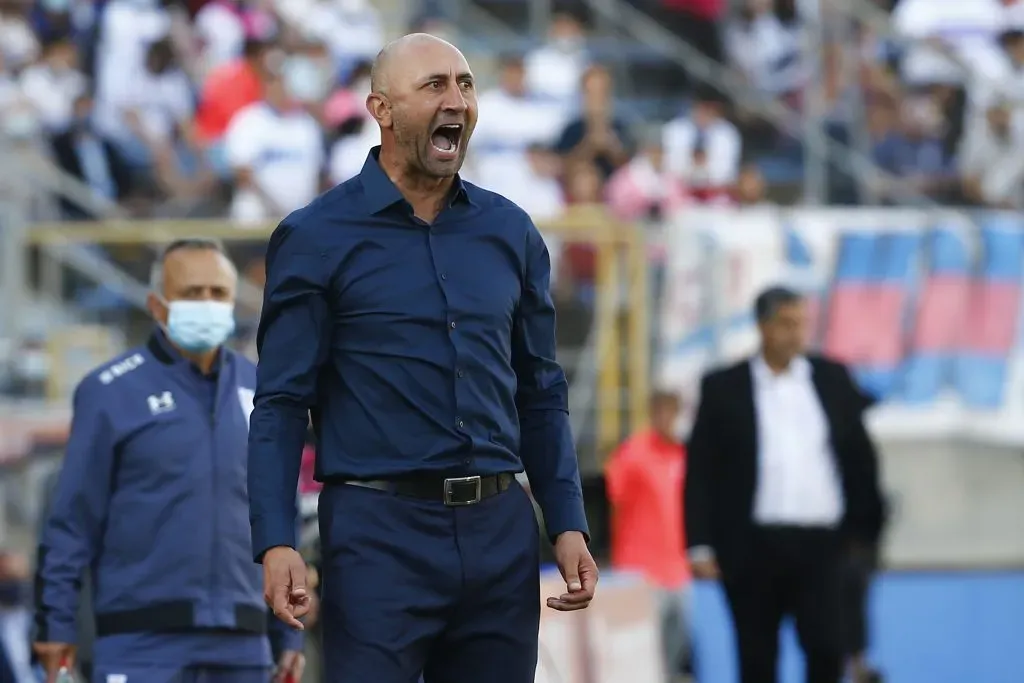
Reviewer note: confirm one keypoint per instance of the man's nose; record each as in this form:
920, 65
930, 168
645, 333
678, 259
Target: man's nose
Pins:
455, 100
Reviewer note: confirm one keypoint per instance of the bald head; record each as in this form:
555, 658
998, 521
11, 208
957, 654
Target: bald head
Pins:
399, 52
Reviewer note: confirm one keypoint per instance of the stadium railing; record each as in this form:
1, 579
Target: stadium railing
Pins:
621, 316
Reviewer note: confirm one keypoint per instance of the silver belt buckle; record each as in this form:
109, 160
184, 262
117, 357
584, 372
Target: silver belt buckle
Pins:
449, 490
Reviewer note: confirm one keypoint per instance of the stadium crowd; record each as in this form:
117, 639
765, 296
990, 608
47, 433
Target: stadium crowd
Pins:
248, 108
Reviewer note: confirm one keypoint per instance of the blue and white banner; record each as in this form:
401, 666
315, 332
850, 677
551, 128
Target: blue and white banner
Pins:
925, 306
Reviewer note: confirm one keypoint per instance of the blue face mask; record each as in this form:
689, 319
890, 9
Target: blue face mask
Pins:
200, 326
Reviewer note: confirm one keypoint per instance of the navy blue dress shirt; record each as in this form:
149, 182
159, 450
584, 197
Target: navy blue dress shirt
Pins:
416, 347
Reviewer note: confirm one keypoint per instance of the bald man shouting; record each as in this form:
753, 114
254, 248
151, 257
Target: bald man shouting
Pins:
408, 313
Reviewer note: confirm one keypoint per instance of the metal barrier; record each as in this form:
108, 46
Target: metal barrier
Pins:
623, 358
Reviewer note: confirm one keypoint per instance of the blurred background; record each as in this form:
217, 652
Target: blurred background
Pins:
678, 155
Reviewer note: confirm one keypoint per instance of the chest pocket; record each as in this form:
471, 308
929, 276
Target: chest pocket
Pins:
163, 450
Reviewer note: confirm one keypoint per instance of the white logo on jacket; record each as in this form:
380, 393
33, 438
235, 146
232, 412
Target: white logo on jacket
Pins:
164, 403
245, 398
117, 678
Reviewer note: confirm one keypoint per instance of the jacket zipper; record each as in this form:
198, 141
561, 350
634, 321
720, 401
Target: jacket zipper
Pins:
213, 498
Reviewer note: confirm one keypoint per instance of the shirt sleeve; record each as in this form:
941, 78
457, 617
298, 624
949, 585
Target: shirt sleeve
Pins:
542, 400
72, 532
293, 342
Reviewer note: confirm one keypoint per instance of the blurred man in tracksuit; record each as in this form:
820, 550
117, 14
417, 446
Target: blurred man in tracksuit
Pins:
152, 500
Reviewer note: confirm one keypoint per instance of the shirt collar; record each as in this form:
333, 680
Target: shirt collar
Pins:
381, 193
799, 368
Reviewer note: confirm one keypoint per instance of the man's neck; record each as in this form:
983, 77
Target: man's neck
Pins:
777, 364
426, 194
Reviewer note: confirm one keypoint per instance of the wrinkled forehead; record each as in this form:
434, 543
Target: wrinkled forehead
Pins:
427, 61
206, 268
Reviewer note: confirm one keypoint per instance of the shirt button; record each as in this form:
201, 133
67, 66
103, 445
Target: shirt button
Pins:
460, 424
459, 373
444, 276
453, 324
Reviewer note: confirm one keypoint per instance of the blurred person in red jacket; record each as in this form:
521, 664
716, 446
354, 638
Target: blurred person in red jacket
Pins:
230, 88
644, 483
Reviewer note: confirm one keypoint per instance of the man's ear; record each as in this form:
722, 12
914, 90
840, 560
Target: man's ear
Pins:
157, 309
379, 108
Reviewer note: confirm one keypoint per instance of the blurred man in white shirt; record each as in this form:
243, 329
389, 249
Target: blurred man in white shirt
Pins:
53, 84
515, 118
704, 148
556, 68
127, 29
276, 151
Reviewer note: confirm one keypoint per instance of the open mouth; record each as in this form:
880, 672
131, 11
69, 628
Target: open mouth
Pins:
446, 138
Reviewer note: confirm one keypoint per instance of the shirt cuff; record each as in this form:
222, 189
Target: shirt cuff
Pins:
267, 534
289, 640
566, 515
60, 632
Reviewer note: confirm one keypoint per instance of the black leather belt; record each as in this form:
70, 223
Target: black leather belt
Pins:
453, 491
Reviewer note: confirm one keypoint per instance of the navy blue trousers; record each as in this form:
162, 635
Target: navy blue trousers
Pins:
415, 588
162, 673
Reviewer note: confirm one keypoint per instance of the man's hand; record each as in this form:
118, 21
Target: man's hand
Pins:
52, 656
290, 667
706, 569
578, 569
284, 585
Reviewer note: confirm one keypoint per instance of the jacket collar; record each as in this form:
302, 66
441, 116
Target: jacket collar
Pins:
164, 352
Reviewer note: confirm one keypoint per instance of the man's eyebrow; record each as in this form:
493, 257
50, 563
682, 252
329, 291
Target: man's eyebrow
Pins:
464, 76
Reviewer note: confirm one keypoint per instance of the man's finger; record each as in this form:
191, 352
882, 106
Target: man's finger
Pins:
566, 606
301, 607
575, 598
282, 608
572, 581
589, 577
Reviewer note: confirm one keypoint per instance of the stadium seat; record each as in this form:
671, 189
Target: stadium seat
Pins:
981, 379
923, 377
855, 254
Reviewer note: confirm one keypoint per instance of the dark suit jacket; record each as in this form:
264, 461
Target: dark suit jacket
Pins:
67, 158
722, 453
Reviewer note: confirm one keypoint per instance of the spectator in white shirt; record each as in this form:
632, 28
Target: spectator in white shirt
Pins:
351, 28
158, 107
275, 149
514, 119
556, 68
1005, 81
220, 29
992, 159
765, 50
948, 37
18, 44
348, 153
53, 84
704, 148
127, 30
530, 180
